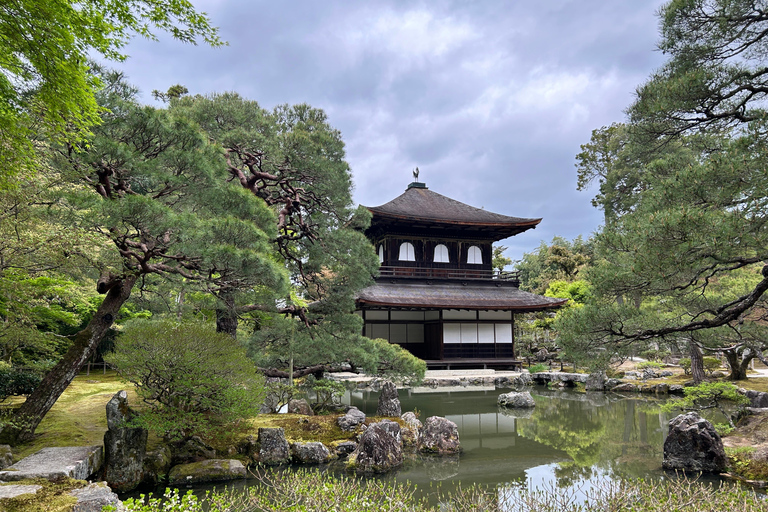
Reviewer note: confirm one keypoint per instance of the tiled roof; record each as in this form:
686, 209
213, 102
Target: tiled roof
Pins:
471, 295
420, 203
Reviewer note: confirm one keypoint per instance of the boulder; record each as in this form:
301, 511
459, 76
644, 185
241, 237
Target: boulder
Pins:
612, 383
542, 355
666, 373
516, 400
625, 388
300, 406
524, 379
377, 452
676, 389
595, 382
6, 456
757, 399
214, 470
345, 448
78, 462
273, 447
439, 436
411, 431
94, 497
692, 444
124, 451
351, 419
310, 453
191, 449
156, 465
118, 412
389, 402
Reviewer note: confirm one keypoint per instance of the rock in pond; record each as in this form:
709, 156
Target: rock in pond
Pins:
124, 451
351, 419
344, 448
118, 411
300, 406
273, 447
757, 399
214, 470
310, 453
516, 400
440, 436
389, 402
94, 497
595, 382
411, 431
378, 450
693, 445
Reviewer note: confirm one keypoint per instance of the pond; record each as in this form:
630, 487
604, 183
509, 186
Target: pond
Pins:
569, 440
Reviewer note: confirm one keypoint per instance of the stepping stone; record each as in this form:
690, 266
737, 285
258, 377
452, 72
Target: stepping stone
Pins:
11, 491
77, 462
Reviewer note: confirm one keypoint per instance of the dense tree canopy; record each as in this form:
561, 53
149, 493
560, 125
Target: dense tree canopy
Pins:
46, 87
685, 189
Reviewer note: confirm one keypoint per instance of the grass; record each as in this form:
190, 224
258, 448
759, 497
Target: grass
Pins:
79, 417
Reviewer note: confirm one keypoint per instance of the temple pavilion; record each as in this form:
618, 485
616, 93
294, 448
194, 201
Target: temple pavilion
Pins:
437, 294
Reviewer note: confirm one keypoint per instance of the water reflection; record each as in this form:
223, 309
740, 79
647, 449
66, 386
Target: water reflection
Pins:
568, 438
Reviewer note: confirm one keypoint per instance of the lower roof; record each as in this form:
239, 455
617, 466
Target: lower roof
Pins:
456, 295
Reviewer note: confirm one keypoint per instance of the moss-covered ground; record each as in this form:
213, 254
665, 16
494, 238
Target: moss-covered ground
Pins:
53, 496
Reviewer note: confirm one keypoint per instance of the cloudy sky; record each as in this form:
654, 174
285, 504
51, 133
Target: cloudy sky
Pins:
490, 99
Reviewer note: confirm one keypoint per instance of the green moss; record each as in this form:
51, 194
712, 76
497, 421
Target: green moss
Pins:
53, 496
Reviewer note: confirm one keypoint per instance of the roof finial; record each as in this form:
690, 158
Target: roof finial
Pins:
416, 174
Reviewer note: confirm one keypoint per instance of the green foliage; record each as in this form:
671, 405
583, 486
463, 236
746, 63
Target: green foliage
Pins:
277, 393
743, 462
577, 292
325, 393
499, 261
654, 354
192, 379
560, 260
683, 188
649, 364
685, 364
15, 381
538, 367
314, 491
46, 83
723, 429
709, 395
711, 364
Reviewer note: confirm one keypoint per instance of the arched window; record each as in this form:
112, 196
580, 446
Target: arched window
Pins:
441, 254
407, 253
381, 254
474, 256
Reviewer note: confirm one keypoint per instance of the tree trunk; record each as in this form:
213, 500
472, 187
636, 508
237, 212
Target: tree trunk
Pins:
697, 363
738, 365
33, 410
226, 314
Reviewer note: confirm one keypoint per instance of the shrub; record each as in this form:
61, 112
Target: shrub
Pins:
191, 378
709, 395
278, 393
538, 367
685, 364
326, 392
649, 364
711, 364
16, 381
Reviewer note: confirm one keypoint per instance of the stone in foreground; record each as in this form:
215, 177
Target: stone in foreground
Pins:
693, 445
516, 400
273, 447
78, 462
94, 497
310, 453
214, 470
6, 456
440, 436
378, 450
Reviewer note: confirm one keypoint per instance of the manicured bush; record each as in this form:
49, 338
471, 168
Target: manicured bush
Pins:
538, 367
191, 378
711, 364
685, 364
16, 381
649, 364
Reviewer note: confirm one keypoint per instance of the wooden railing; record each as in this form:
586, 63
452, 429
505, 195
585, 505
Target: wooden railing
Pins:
449, 273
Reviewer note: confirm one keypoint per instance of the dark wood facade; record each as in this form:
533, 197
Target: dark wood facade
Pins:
437, 294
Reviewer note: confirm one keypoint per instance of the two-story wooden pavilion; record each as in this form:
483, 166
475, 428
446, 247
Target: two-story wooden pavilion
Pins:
437, 294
